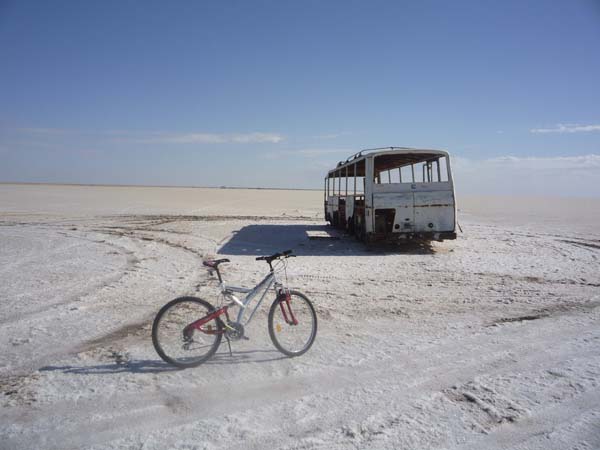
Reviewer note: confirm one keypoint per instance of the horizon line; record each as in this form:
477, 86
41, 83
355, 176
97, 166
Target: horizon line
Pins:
174, 186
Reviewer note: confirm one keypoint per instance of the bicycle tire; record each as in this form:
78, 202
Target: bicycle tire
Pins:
280, 330
168, 335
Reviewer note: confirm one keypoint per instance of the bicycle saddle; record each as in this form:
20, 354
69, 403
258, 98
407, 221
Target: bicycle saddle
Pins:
214, 263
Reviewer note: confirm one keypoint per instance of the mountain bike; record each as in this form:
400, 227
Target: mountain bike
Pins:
187, 331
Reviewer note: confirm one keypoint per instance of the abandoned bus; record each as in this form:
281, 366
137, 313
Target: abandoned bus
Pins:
393, 193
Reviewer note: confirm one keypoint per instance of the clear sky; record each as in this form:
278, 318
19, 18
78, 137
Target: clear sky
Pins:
274, 93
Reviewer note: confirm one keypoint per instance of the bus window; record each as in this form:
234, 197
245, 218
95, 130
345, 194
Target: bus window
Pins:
434, 171
386, 177
443, 169
360, 185
406, 174
394, 176
420, 170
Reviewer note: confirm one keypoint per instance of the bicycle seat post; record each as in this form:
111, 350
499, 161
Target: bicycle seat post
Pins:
214, 265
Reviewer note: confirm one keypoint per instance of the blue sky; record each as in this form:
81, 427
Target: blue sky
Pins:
272, 93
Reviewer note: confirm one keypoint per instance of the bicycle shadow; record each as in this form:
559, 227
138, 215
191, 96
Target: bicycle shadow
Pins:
244, 357
256, 240
144, 366
132, 366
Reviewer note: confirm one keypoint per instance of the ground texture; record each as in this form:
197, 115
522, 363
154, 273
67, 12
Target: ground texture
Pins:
491, 341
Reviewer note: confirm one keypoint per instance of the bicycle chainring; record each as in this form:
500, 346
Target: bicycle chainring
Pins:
234, 331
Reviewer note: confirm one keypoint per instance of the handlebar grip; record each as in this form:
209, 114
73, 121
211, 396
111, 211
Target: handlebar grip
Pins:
286, 253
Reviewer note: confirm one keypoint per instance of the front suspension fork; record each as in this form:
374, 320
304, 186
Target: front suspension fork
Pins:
287, 301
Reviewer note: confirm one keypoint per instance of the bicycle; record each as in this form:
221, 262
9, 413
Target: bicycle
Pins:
187, 331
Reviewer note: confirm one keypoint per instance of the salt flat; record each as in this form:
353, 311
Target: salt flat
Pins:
489, 341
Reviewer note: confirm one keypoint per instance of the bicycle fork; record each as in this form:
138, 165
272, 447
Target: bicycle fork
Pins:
287, 300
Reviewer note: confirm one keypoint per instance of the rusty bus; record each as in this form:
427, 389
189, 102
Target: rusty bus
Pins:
392, 193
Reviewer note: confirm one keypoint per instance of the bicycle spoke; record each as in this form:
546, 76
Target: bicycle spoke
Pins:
177, 341
292, 324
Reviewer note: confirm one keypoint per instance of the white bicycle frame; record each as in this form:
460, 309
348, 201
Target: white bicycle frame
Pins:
266, 283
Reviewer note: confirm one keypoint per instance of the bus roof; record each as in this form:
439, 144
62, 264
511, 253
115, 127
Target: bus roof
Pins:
387, 158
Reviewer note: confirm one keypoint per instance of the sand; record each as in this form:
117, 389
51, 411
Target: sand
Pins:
490, 341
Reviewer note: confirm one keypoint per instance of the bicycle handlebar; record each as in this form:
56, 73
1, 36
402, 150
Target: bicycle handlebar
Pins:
269, 259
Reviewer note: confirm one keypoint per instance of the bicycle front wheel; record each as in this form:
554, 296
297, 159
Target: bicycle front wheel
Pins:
292, 324
176, 342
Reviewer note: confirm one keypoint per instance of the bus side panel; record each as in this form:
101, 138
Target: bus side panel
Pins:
349, 207
341, 212
331, 207
434, 211
403, 203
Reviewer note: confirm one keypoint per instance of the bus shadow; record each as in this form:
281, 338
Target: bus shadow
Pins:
312, 240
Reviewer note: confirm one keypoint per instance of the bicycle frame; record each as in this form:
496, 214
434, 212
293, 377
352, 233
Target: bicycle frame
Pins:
227, 291
266, 283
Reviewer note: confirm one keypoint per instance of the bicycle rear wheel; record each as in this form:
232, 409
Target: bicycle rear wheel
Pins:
293, 326
184, 346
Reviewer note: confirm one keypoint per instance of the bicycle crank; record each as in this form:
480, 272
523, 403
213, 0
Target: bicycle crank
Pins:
234, 331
